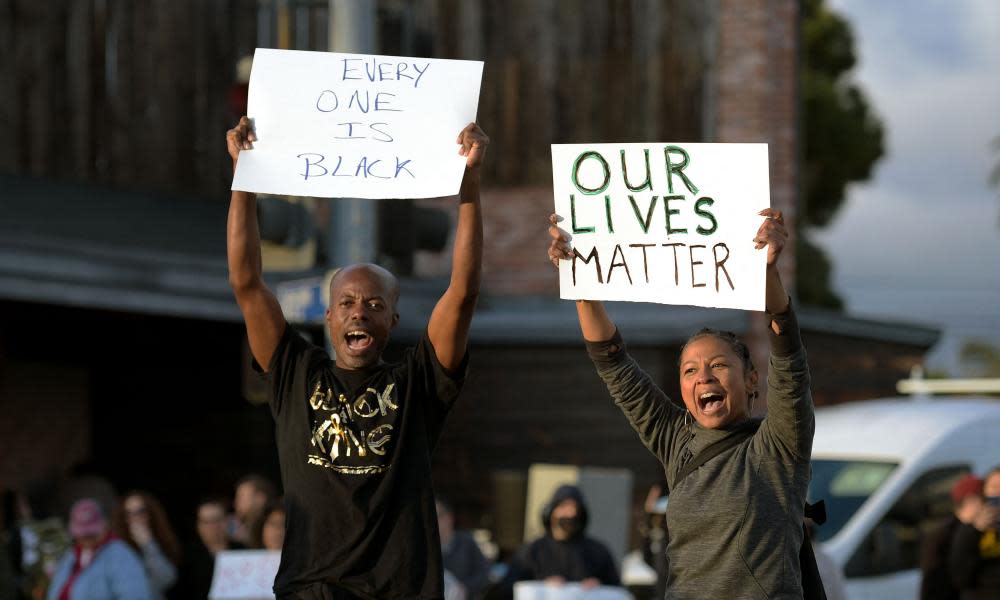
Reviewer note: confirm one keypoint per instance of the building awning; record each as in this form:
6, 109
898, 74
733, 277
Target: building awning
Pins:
78, 245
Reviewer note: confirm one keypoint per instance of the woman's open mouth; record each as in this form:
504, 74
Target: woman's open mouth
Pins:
711, 402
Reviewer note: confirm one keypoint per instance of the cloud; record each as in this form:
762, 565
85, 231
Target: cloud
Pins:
921, 240
929, 69
880, 238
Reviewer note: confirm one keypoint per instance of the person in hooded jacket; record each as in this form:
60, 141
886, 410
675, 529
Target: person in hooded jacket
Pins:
564, 553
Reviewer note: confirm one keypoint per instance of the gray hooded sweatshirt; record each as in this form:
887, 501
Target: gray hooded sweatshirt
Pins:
735, 523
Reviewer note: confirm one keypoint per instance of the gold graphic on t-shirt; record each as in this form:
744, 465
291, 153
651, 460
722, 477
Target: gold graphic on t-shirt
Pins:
322, 462
375, 445
345, 404
336, 430
319, 398
364, 409
338, 433
385, 399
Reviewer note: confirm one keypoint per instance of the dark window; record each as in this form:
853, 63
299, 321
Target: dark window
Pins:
844, 485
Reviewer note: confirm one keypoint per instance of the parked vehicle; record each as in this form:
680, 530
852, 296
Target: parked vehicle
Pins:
885, 469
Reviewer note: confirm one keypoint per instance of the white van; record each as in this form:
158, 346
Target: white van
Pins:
885, 469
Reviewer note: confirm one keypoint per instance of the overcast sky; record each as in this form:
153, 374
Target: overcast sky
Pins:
921, 240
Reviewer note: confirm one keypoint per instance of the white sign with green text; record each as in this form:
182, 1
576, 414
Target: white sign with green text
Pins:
667, 223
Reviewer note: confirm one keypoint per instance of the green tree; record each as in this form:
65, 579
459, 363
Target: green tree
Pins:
843, 140
979, 358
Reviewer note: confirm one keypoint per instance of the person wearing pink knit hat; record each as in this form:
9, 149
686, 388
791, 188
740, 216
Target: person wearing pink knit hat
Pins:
99, 566
936, 582
974, 553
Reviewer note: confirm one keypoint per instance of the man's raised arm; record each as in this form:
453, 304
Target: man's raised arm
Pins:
448, 328
261, 311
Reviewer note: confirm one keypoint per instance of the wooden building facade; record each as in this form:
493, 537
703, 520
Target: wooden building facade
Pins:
138, 95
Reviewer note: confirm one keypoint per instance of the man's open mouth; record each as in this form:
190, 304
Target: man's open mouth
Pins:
710, 402
358, 340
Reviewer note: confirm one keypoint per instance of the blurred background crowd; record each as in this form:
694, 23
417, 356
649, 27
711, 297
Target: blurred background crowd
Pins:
123, 356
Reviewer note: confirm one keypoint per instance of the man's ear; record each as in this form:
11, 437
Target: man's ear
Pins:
395, 320
752, 380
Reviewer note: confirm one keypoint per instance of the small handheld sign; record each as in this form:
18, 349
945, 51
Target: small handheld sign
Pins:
244, 575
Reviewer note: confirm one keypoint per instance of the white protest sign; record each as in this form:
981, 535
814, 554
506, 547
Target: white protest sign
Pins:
244, 575
662, 222
538, 590
360, 126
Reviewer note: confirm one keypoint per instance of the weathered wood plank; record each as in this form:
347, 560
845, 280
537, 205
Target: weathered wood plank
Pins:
136, 93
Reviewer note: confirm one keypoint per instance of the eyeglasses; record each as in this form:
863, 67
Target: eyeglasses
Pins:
135, 512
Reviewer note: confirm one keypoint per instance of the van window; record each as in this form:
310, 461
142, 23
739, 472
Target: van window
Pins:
894, 544
844, 485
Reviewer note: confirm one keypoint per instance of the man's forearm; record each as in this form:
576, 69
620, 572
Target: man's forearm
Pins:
467, 256
243, 241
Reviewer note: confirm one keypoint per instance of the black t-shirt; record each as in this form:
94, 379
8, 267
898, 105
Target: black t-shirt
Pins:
355, 454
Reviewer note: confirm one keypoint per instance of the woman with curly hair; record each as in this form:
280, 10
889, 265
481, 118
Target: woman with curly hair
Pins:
142, 522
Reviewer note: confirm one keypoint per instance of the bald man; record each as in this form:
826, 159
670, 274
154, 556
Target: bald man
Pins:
355, 434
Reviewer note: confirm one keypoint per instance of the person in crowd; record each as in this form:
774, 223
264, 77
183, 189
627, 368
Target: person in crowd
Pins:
460, 553
355, 434
142, 522
935, 581
564, 553
99, 566
253, 493
974, 556
198, 563
735, 520
654, 530
36, 544
269, 532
